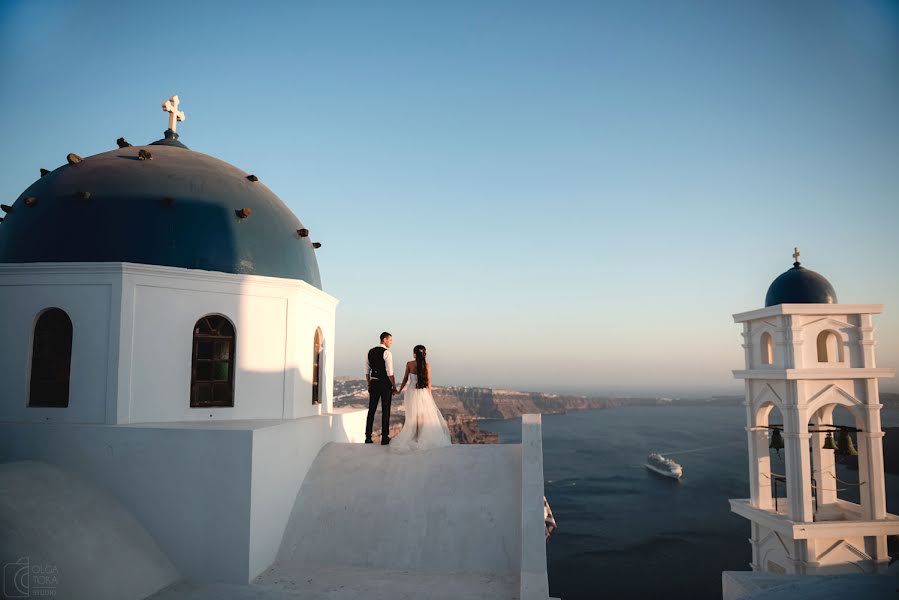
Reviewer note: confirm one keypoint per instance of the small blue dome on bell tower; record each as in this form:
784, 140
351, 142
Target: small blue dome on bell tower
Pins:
800, 286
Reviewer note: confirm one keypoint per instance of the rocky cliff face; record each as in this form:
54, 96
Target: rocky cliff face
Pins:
463, 406
487, 403
464, 429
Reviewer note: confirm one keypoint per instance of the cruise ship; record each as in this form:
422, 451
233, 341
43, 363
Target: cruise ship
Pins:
664, 466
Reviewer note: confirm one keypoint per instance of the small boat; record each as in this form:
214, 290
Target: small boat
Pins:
664, 466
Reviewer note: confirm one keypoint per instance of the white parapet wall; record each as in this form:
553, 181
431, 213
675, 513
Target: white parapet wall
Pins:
216, 496
534, 584
227, 501
132, 342
282, 456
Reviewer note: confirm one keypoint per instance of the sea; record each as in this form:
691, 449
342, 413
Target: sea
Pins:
626, 532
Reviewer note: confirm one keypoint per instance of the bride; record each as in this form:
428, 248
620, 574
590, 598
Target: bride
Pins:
424, 427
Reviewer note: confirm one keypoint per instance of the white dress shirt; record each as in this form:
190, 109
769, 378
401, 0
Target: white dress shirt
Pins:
388, 362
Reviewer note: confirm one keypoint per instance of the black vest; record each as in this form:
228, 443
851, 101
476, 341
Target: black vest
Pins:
376, 363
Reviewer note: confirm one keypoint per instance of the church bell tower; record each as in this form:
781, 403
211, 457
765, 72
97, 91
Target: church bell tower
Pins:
806, 357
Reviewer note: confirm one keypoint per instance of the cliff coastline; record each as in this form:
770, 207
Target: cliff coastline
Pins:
463, 407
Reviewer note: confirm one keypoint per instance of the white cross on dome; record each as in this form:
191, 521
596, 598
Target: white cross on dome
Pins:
171, 106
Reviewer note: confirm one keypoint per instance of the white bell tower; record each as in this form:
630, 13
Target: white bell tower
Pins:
806, 355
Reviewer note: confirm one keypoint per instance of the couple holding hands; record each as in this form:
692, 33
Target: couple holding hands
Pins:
424, 427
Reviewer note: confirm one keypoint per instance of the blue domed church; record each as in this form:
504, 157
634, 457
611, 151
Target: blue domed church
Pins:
160, 308
186, 289
167, 427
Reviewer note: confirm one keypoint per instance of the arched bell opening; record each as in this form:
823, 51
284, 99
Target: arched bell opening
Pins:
766, 347
830, 347
838, 468
769, 489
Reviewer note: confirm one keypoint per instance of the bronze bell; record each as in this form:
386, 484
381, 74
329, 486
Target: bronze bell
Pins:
847, 448
777, 440
828, 442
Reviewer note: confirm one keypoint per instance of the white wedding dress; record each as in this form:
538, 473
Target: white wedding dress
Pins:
425, 427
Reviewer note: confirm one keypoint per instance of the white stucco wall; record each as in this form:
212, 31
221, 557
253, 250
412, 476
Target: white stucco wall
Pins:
843, 325
773, 326
164, 318
773, 551
281, 457
133, 341
274, 320
87, 299
188, 488
795, 338
447, 510
840, 555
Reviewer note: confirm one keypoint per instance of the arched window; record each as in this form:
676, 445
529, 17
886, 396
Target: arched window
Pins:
830, 347
212, 364
767, 348
316, 367
51, 357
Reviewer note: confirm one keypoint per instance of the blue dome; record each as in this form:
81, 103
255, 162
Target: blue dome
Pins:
800, 286
180, 208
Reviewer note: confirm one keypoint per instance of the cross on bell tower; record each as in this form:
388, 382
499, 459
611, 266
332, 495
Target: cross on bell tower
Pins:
171, 106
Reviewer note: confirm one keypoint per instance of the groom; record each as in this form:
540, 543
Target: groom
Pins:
381, 386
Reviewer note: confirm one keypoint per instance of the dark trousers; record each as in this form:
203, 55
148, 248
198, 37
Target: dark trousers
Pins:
383, 393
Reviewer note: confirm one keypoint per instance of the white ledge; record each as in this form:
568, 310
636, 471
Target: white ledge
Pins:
822, 529
838, 373
126, 268
534, 580
809, 309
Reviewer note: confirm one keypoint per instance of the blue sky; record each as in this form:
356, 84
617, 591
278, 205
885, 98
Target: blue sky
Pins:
553, 196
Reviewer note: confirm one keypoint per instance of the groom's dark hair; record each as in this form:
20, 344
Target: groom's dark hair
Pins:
384, 334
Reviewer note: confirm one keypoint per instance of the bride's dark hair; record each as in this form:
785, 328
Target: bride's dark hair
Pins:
421, 367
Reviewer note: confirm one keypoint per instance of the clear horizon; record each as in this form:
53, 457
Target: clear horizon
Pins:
574, 196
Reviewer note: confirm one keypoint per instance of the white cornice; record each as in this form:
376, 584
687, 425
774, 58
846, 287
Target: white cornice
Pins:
826, 373
809, 309
823, 529
124, 268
